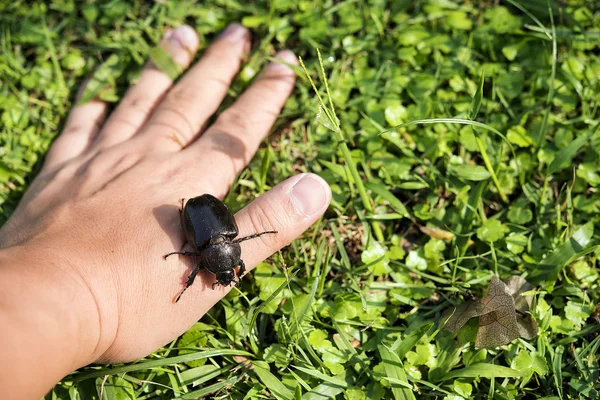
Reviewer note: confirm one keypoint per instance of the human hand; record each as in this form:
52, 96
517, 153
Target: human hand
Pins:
104, 209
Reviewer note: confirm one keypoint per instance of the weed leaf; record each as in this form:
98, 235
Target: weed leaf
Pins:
547, 271
565, 155
484, 370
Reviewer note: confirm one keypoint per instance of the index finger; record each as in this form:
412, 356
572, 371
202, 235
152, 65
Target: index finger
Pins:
233, 139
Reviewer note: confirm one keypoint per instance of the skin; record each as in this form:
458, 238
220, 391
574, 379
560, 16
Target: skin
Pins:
82, 278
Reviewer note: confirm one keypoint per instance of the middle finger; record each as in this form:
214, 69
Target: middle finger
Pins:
198, 94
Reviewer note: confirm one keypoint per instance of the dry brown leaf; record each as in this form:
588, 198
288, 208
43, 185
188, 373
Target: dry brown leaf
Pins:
503, 313
498, 320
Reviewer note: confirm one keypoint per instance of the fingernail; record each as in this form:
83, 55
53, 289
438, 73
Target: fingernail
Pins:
287, 57
310, 195
184, 37
234, 33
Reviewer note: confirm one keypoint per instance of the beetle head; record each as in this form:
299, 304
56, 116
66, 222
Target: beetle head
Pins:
225, 278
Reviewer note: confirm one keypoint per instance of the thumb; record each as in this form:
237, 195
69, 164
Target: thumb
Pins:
289, 208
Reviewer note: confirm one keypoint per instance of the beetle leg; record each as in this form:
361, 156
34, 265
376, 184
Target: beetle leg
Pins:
183, 253
242, 270
252, 236
181, 209
189, 282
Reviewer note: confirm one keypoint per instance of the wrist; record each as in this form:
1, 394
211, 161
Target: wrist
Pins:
49, 317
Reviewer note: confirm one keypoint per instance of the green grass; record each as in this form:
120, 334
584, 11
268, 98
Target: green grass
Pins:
436, 186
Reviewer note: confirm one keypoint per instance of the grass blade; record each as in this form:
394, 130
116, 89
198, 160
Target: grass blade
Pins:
199, 375
347, 156
319, 375
476, 103
483, 370
104, 77
468, 217
264, 168
533, 17
458, 121
300, 316
564, 157
557, 369
268, 300
275, 386
328, 391
381, 190
54, 57
472, 172
162, 362
406, 344
196, 394
164, 62
490, 168
398, 382
550, 97
395, 371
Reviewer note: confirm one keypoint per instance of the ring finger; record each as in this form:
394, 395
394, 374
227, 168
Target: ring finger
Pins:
181, 44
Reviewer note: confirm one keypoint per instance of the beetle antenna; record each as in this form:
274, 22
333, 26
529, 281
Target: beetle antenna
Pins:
252, 236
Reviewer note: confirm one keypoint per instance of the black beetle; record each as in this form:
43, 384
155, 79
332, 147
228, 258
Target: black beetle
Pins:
210, 228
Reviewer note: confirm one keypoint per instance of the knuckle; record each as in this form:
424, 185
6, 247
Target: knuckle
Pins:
90, 162
139, 102
229, 144
267, 113
264, 218
116, 123
75, 129
223, 179
222, 84
126, 161
235, 119
181, 94
107, 162
174, 125
62, 173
